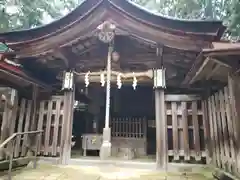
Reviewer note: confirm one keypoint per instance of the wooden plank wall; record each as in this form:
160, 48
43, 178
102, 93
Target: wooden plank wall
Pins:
16, 117
224, 144
50, 119
187, 138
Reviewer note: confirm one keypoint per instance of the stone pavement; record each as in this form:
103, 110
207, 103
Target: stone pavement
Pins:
51, 172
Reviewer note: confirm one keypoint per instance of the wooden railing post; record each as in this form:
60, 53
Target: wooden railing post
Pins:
11, 158
11, 143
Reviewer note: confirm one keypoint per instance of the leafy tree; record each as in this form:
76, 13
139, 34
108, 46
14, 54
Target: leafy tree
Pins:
226, 10
24, 14
234, 19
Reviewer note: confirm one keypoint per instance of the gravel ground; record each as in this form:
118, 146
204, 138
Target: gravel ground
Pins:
50, 172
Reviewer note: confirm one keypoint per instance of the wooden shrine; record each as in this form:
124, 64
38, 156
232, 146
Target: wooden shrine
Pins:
128, 83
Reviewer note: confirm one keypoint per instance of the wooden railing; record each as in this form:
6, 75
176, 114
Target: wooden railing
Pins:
32, 145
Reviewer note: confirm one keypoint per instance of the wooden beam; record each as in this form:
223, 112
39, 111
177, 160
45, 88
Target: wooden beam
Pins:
226, 52
182, 97
205, 62
215, 69
220, 62
196, 64
60, 54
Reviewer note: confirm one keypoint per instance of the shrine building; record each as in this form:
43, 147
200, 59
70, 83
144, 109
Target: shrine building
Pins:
113, 80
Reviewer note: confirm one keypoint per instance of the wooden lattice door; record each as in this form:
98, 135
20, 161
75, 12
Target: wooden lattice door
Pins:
50, 119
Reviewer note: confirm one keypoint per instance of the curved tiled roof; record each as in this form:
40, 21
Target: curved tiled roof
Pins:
213, 29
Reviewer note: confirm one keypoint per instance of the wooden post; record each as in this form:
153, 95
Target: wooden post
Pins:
161, 130
67, 127
160, 112
234, 99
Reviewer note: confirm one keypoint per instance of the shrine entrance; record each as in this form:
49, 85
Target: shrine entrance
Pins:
128, 121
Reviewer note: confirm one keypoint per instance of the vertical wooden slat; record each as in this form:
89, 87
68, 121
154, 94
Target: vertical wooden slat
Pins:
71, 124
35, 105
4, 126
120, 126
219, 128
145, 125
235, 119
196, 131
26, 128
224, 128
114, 130
206, 131
48, 127
230, 127
175, 130
213, 143
139, 120
128, 121
19, 128
185, 131
40, 122
217, 146
56, 127
13, 117
14, 114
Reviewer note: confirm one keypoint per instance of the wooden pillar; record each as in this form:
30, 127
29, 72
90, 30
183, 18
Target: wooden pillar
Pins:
234, 98
161, 130
67, 127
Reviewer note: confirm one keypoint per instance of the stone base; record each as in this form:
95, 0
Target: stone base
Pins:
105, 151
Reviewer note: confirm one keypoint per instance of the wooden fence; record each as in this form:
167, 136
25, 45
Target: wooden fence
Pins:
16, 116
223, 148
186, 122
129, 127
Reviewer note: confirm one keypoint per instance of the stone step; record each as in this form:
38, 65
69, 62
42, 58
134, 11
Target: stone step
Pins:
17, 162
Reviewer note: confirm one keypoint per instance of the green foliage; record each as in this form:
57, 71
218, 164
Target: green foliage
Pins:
24, 14
234, 20
226, 10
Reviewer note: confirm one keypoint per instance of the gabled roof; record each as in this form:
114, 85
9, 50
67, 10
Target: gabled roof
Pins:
129, 17
216, 62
